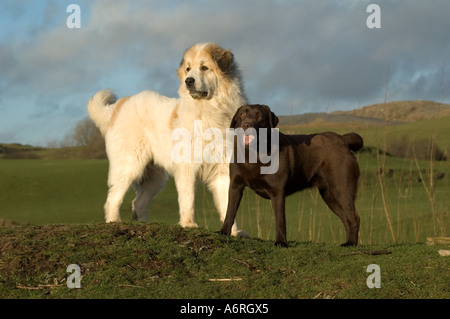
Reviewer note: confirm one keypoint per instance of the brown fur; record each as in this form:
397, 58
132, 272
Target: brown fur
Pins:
117, 108
322, 160
174, 116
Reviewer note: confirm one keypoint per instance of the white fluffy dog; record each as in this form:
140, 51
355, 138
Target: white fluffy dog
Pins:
138, 131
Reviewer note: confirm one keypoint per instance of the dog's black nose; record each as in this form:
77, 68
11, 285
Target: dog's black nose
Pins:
246, 125
189, 81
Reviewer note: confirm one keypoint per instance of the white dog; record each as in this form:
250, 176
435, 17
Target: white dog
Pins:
138, 130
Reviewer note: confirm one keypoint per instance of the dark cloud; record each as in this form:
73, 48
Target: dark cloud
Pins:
297, 56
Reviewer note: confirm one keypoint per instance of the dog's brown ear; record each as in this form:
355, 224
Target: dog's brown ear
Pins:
224, 58
273, 119
235, 117
226, 61
180, 70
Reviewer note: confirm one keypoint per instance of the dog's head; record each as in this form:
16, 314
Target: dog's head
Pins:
201, 68
251, 118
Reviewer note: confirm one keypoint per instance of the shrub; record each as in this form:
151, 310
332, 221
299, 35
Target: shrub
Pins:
422, 149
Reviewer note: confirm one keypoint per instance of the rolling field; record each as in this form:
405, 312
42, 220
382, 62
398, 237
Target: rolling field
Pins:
73, 191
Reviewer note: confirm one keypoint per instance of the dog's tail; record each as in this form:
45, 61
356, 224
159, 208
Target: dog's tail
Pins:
354, 141
100, 109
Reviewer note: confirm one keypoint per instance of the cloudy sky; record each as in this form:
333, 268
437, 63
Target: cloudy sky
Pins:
296, 56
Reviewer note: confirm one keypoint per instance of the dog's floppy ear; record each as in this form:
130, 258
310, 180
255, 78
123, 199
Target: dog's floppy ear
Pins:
235, 117
273, 119
179, 70
224, 58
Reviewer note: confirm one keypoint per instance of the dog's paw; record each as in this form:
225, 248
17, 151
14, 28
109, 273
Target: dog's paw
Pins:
281, 244
189, 225
240, 234
349, 244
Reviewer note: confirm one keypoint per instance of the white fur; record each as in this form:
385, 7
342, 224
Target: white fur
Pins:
138, 130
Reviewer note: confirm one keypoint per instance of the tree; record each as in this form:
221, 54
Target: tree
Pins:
87, 136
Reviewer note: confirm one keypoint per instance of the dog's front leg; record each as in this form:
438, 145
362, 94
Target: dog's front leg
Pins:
234, 199
185, 179
280, 220
220, 189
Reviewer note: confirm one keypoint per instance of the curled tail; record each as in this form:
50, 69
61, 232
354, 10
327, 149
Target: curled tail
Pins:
354, 141
100, 109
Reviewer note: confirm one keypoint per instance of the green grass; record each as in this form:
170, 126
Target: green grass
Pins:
52, 191
438, 129
309, 219
151, 260
43, 192
65, 191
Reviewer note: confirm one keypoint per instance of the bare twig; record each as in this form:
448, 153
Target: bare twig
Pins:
224, 279
371, 252
39, 286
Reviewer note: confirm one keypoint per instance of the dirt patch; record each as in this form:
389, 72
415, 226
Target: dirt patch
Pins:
8, 223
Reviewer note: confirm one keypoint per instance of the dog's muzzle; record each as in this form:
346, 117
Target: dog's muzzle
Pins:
190, 85
248, 139
249, 133
190, 82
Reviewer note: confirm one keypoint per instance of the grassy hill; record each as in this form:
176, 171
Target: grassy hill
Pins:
396, 112
160, 261
403, 111
437, 130
20, 151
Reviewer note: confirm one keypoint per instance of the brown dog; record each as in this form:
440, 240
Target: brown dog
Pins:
323, 160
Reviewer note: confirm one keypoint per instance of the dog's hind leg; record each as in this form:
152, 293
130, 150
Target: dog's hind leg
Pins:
116, 193
338, 185
152, 181
122, 172
342, 204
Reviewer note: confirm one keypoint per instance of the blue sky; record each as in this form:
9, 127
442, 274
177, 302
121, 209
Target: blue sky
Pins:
296, 56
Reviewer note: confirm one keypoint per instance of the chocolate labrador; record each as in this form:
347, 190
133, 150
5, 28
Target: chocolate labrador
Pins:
323, 160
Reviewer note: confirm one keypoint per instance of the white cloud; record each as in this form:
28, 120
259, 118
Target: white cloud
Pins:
315, 54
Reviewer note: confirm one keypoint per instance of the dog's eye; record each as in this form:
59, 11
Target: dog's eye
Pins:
188, 69
204, 68
259, 117
243, 115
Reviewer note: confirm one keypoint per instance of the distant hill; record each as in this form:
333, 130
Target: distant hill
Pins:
320, 118
420, 120
19, 151
14, 150
403, 111
394, 112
